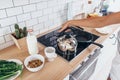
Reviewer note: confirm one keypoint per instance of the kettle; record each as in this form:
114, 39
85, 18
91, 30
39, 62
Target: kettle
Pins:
67, 41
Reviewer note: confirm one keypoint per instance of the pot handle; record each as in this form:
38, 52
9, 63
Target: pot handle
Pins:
100, 45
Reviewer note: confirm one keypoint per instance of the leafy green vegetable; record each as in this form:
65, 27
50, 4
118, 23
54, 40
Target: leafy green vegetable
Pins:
8, 69
7, 76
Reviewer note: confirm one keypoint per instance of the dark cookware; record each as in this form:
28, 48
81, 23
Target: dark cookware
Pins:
81, 35
67, 42
86, 37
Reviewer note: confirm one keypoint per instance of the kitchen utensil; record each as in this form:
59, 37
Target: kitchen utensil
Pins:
82, 36
86, 38
67, 41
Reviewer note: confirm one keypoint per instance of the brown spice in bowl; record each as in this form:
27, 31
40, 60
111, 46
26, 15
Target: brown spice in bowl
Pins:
34, 63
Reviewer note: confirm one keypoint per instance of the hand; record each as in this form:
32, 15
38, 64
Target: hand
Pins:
64, 26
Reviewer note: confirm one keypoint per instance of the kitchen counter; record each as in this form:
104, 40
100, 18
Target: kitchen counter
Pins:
57, 69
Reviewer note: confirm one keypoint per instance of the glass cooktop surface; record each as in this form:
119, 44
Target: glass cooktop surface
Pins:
50, 39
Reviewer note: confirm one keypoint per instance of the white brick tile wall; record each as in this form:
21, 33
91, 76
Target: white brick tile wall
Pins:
35, 1
56, 9
4, 31
23, 17
39, 15
8, 38
2, 40
22, 24
14, 11
8, 21
7, 44
29, 8
36, 32
36, 14
62, 1
31, 22
20, 2
39, 26
52, 3
43, 19
42, 5
49, 23
44, 30
2, 14
47, 11
6, 4
52, 16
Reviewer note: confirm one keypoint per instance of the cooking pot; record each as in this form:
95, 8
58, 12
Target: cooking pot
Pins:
67, 42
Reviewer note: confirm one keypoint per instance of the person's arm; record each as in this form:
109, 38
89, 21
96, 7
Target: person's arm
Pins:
94, 22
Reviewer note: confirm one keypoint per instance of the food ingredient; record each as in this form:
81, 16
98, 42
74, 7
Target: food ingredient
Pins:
34, 63
8, 69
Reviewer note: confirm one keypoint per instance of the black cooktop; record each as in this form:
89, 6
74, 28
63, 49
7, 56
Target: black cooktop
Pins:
50, 39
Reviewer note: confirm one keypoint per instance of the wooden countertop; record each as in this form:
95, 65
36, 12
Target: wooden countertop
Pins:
55, 70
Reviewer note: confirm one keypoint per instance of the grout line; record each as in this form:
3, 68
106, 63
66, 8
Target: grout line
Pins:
13, 3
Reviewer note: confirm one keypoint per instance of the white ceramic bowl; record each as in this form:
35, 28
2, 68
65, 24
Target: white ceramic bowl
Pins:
33, 57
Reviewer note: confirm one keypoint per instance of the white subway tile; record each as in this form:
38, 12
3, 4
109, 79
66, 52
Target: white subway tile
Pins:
43, 19
4, 31
2, 40
36, 32
21, 24
38, 27
58, 21
31, 22
36, 14
2, 14
14, 11
47, 11
5, 45
52, 16
8, 38
68, 1
12, 28
62, 1
42, 5
29, 8
56, 9
20, 2
49, 23
8, 21
44, 30
52, 3
6, 4
35, 1
23, 17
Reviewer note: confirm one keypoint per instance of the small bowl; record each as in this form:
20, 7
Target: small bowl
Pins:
33, 57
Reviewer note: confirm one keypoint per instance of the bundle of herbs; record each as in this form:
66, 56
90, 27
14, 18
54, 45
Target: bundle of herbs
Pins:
8, 69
